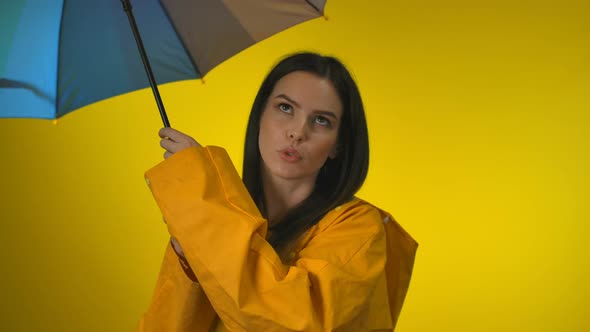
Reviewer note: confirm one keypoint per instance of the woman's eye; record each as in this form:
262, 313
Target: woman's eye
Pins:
323, 121
285, 107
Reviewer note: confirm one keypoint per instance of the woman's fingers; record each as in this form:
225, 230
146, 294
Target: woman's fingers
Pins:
173, 146
168, 144
176, 246
174, 141
171, 133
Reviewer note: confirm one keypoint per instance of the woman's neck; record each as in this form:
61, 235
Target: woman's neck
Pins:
281, 195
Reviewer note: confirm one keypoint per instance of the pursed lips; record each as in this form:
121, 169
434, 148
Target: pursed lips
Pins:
290, 154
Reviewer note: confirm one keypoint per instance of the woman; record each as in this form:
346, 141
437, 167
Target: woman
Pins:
289, 248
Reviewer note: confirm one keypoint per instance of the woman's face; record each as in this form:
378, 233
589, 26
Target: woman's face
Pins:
299, 127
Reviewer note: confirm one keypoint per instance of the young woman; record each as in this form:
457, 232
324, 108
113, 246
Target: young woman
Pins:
289, 247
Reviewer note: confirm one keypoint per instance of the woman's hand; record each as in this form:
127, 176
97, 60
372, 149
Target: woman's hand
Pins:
177, 247
174, 141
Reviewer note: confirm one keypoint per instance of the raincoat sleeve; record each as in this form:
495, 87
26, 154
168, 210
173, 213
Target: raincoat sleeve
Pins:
211, 214
178, 304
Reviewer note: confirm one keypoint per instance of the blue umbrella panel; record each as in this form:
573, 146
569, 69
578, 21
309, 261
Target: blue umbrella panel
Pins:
62, 56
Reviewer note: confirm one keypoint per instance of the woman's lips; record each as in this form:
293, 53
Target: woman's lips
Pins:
290, 155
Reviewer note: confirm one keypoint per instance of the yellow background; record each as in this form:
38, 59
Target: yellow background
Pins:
478, 115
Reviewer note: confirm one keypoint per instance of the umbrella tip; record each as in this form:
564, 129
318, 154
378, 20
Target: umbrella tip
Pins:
55, 122
325, 17
202, 80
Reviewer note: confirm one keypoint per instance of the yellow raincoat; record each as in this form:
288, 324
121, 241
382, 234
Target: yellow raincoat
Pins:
350, 272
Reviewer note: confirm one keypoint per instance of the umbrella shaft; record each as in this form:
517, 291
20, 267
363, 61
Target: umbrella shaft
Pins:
127, 8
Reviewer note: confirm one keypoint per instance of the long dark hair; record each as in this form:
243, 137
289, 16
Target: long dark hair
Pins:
339, 178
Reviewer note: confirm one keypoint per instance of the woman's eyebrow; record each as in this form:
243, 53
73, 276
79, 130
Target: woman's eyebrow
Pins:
327, 113
288, 99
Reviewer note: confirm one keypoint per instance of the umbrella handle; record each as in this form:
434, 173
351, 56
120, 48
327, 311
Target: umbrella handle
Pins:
146, 64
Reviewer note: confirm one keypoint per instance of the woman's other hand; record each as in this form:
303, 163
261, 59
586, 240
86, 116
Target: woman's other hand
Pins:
174, 141
177, 247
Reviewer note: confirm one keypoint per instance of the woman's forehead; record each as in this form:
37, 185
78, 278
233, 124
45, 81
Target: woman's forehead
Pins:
308, 90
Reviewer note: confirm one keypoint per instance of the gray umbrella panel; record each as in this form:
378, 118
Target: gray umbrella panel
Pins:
214, 30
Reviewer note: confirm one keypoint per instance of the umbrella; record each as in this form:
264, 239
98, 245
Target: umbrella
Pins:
58, 56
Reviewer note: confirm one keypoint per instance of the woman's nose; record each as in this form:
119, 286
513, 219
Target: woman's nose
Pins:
297, 133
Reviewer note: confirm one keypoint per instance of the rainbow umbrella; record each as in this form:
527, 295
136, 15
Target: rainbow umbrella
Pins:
58, 56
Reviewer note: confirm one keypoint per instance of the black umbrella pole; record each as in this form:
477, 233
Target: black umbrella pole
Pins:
146, 63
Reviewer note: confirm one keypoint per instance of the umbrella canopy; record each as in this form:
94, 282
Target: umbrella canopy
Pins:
58, 56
